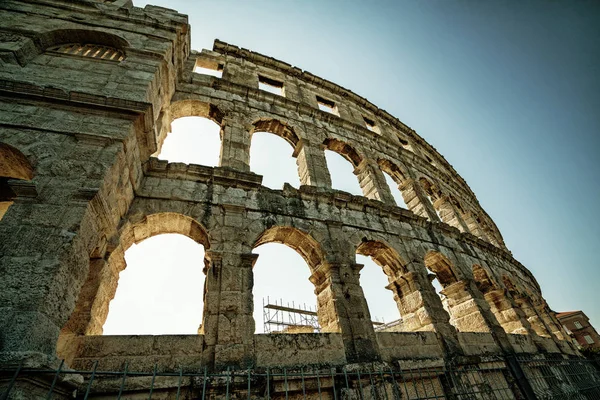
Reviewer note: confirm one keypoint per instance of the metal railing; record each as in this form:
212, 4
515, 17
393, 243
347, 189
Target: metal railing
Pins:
562, 379
550, 379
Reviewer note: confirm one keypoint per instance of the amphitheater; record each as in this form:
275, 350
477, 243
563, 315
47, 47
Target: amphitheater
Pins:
88, 92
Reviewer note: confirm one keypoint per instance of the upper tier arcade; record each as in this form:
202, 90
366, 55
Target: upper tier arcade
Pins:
319, 113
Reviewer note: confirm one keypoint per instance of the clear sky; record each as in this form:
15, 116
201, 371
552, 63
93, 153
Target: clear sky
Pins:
508, 92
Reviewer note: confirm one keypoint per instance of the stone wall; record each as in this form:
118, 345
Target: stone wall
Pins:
88, 91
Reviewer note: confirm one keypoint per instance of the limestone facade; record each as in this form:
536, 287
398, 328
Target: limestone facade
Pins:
88, 92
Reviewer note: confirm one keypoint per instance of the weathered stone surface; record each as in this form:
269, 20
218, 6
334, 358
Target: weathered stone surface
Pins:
79, 185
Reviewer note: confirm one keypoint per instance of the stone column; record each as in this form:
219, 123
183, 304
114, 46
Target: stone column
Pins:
235, 143
511, 318
473, 226
372, 182
43, 264
550, 320
228, 324
342, 308
422, 310
470, 310
449, 214
532, 316
417, 201
312, 166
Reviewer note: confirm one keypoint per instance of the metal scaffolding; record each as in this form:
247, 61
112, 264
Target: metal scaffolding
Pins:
294, 318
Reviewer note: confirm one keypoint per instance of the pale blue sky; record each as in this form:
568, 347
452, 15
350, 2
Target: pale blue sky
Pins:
508, 92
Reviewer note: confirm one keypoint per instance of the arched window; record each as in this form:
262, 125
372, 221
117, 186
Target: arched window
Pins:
13, 165
432, 194
482, 279
166, 244
83, 43
271, 153
191, 133
441, 277
282, 277
94, 51
394, 177
160, 291
192, 140
382, 266
342, 161
284, 299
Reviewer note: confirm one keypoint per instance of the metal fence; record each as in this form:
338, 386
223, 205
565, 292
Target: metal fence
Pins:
562, 379
550, 379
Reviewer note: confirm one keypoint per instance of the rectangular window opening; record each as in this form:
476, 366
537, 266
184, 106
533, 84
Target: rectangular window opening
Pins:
370, 124
208, 68
270, 85
588, 339
327, 106
578, 325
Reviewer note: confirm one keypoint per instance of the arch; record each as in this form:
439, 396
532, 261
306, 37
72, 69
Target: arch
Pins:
161, 223
482, 279
442, 267
276, 127
392, 266
398, 175
195, 108
383, 255
14, 164
91, 308
396, 178
430, 189
84, 36
343, 149
510, 285
298, 240
190, 108
268, 154
158, 292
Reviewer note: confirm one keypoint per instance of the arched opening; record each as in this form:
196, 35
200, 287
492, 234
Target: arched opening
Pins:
432, 193
190, 133
92, 306
382, 267
342, 162
525, 304
192, 140
270, 153
482, 279
62, 36
506, 314
13, 165
284, 297
160, 291
394, 178
442, 277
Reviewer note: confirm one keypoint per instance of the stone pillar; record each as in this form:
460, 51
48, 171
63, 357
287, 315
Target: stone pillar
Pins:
449, 214
312, 166
372, 182
235, 143
532, 316
511, 318
422, 310
43, 265
550, 320
228, 324
342, 308
417, 201
466, 310
473, 226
